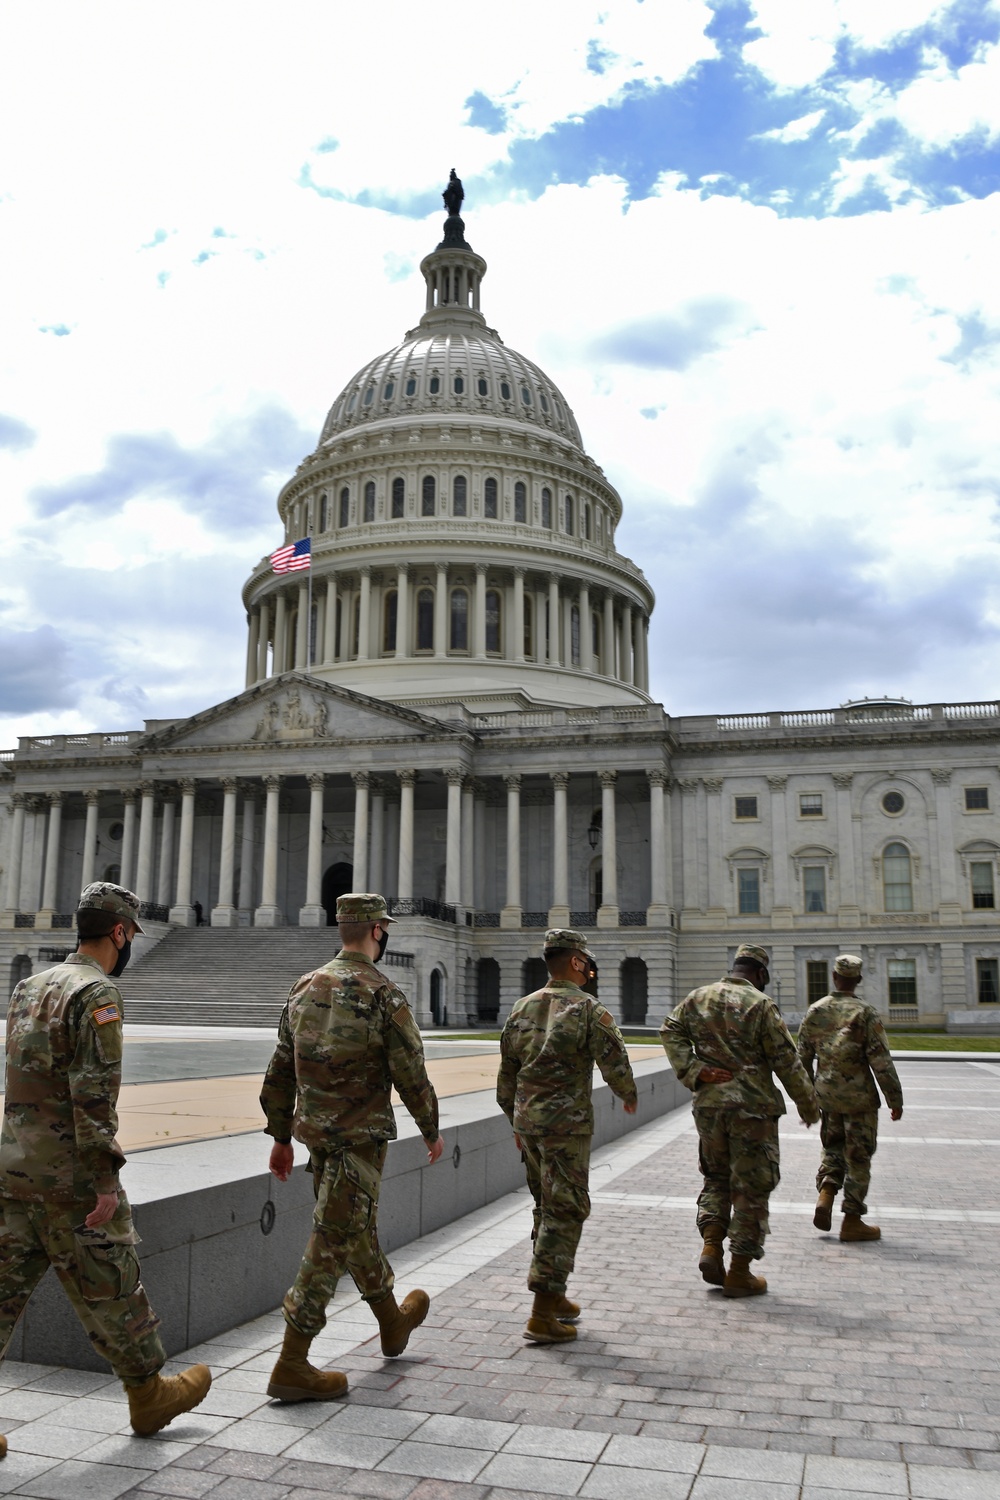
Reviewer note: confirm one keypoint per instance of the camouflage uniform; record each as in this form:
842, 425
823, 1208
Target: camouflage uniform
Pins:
843, 1040
346, 1037
548, 1049
58, 1152
731, 1025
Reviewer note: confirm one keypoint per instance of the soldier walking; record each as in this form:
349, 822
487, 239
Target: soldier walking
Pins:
548, 1049
724, 1041
61, 1203
346, 1038
843, 1040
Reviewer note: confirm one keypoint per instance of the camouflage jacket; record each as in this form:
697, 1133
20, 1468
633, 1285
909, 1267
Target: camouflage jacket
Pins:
345, 1038
731, 1025
548, 1049
843, 1040
64, 1070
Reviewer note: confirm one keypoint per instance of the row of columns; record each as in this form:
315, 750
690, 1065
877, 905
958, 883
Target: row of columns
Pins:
623, 654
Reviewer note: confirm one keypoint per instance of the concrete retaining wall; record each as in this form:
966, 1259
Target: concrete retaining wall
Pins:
202, 1210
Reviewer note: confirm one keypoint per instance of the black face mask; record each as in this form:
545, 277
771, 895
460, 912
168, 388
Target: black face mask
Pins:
382, 943
124, 954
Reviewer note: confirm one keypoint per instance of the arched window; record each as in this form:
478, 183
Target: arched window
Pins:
595, 638
345, 507
336, 632
490, 499
520, 502
369, 395
504, 391
493, 621
569, 515
547, 509
370, 500
435, 385
389, 621
324, 512
459, 495
425, 620
483, 386
634, 984
525, 395
398, 498
389, 391
897, 878
459, 619
574, 635
410, 389
427, 494
529, 630
586, 522
458, 385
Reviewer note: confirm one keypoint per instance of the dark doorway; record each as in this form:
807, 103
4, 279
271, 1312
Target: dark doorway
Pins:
20, 968
338, 880
635, 992
437, 1008
534, 975
487, 991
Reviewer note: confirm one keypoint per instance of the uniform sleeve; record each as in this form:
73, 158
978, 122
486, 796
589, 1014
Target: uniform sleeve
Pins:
607, 1048
781, 1054
807, 1050
680, 1049
405, 1052
277, 1097
880, 1061
95, 1077
507, 1074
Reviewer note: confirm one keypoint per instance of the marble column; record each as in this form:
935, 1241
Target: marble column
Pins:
608, 664
360, 856
559, 910
248, 830
224, 913
313, 914
540, 653
144, 862
392, 805
268, 913
182, 912
479, 876
253, 638
950, 905
402, 612
376, 842
441, 612
127, 863
453, 840
479, 614
468, 843
92, 797
365, 619
712, 791
510, 914
607, 914
555, 623
781, 908
279, 664
16, 857
567, 631
519, 614
690, 845
302, 629
627, 673
166, 871
330, 623
263, 635
407, 781
50, 885
658, 911
643, 638
586, 631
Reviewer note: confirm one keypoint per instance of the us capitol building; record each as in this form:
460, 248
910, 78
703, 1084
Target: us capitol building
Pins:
455, 710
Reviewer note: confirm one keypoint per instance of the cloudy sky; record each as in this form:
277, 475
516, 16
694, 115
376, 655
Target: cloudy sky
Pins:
754, 241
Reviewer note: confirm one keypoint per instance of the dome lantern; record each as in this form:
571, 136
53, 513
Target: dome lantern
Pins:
453, 271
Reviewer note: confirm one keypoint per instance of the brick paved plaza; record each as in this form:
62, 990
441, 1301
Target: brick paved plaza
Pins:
866, 1370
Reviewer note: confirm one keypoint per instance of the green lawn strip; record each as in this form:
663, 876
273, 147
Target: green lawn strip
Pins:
899, 1041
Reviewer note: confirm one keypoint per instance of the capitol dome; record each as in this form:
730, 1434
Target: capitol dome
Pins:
462, 539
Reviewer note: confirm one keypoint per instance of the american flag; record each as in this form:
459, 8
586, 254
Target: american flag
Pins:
293, 558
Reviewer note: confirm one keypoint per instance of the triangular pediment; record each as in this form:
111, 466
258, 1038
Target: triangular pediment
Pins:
297, 708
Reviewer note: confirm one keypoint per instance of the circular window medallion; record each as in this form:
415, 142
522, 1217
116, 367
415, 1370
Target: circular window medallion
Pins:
116, 831
893, 803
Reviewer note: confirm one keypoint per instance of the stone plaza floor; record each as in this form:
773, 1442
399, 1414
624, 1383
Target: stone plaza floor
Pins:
866, 1370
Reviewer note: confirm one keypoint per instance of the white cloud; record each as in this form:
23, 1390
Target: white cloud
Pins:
796, 130
800, 37
945, 104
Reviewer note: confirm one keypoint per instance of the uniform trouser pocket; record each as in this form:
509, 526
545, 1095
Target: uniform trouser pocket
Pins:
106, 1270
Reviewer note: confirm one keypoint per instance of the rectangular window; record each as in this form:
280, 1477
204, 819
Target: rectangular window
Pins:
988, 981
810, 805
817, 980
749, 890
814, 887
977, 798
745, 807
983, 898
902, 981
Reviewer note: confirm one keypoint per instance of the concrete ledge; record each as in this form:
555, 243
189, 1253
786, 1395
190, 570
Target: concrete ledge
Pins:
208, 1260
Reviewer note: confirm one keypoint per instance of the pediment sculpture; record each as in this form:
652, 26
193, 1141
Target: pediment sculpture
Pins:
288, 718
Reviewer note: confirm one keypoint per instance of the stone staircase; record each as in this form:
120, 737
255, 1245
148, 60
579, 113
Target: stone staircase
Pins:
221, 976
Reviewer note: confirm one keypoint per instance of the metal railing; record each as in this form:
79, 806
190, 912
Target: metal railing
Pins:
534, 919
583, 919
421, 906
153, 912
631, 919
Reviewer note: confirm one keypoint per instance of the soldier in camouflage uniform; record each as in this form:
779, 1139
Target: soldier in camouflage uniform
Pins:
844, 1041
60, 1199
724, 1042
548, 1049
346, 1037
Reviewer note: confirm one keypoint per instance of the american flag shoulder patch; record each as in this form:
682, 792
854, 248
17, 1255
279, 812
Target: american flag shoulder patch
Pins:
106, 1014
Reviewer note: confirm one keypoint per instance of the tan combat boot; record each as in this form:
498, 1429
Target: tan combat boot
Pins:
822, 1218
566, 1310
295, 1379
544, 1326
3, 1446
740, 1282
854, 1230
711, 1263
396, 1323
163, 1397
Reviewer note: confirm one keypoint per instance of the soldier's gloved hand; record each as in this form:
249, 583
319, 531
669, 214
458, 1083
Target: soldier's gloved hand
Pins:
897, 1114
434, 1152
106, 1208
715, 1075
282, 1160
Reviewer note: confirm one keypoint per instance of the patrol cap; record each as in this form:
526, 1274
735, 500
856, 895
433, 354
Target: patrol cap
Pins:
566, 938
848, 966
101, 895
755, 954
362, 906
